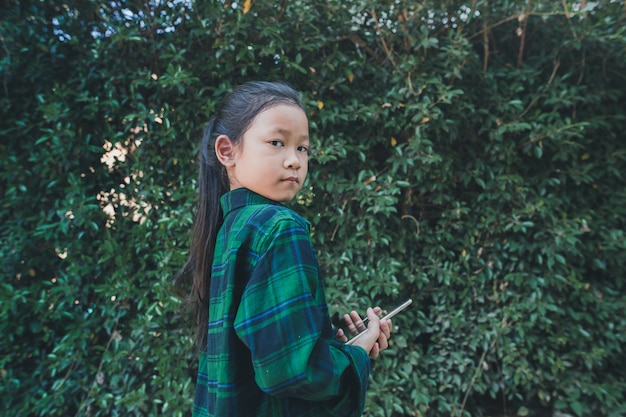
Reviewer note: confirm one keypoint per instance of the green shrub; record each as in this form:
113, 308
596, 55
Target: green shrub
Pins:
471, 158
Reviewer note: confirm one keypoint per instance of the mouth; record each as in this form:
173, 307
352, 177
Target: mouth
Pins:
293, 180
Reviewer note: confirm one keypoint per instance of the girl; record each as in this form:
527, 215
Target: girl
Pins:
266, 342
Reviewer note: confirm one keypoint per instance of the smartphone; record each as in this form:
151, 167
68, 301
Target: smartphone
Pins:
385, 317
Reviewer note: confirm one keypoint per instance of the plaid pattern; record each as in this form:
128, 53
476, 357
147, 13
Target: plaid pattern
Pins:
271, 349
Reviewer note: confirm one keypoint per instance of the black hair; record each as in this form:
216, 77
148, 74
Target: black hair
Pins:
233, 117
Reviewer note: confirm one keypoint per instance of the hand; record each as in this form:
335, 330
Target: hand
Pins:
354, 323
376, 339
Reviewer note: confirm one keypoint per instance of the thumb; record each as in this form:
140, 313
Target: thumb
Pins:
372, 317
370, 336
373, 327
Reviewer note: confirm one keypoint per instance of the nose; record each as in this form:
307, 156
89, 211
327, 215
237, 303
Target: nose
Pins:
292, 160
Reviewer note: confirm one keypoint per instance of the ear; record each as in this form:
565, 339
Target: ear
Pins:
225, 150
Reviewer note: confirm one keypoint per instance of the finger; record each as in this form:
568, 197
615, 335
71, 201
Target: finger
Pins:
383, 342
358, 322
341, 336
378, 310
385, 328
375, 351
373, 321
348, 320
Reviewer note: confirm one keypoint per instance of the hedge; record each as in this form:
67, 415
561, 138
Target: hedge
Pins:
469, 155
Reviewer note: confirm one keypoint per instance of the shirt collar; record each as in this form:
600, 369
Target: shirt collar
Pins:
240, 197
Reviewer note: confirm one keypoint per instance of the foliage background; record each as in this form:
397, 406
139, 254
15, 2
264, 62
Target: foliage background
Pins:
469, 155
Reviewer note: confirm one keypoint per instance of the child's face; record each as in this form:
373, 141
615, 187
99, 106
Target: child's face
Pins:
272, 157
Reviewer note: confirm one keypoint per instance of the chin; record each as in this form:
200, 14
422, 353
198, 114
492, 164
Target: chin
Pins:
279, 198
284, 199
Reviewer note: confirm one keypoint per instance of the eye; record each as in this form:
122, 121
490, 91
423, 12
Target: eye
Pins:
304, 149
276, 143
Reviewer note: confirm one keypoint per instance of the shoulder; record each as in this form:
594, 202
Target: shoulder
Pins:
269, 219
244, 209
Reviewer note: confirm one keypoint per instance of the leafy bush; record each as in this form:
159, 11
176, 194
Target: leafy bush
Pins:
471, 158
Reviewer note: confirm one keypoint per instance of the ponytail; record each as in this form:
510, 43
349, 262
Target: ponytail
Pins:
213, 182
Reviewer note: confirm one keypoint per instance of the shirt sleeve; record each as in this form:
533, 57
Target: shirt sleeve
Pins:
282, 323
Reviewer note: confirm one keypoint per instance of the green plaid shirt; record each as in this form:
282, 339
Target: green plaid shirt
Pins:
271, 349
